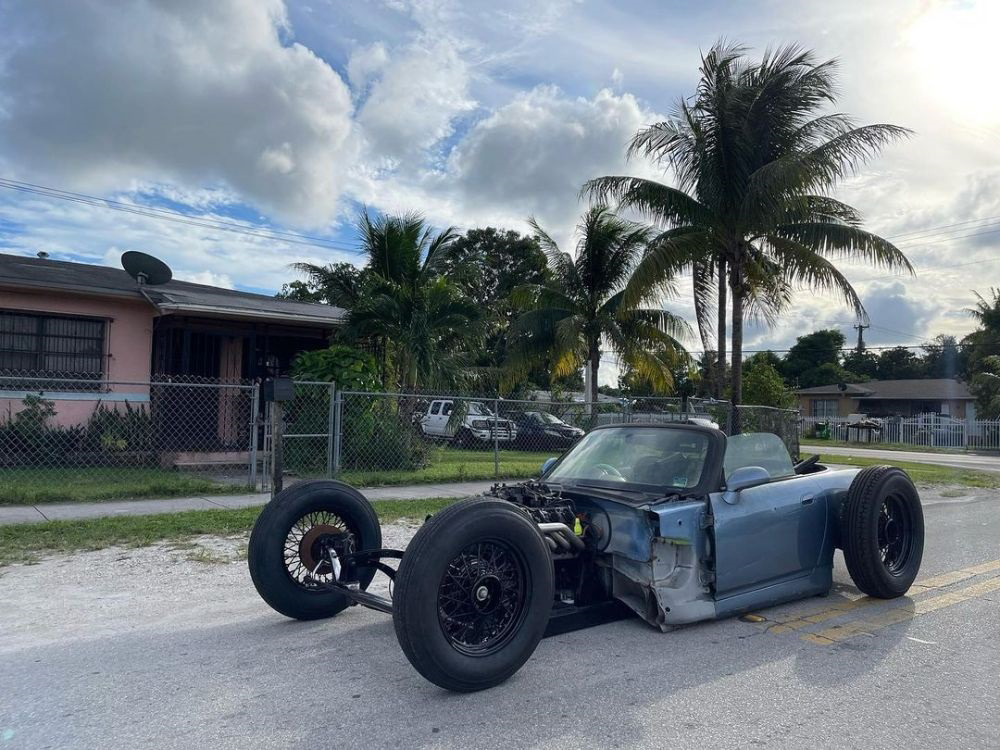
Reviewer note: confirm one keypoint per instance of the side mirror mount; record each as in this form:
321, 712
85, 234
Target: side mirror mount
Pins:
743, 477
547, 465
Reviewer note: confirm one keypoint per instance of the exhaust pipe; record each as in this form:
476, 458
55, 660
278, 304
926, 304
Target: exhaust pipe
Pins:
563, 535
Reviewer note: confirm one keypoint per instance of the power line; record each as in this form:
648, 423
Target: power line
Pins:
990, 219
177, 217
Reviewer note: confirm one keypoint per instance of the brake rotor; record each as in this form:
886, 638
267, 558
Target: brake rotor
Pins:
308, 547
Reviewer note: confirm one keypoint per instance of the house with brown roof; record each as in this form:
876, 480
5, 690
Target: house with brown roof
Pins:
83, 336
88, 322
888, 398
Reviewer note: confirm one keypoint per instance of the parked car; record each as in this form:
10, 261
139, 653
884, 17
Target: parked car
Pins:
541, 431
474, 425
673, 523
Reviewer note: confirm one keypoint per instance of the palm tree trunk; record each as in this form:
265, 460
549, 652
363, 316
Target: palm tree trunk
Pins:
594, 366
720, 363
736, 388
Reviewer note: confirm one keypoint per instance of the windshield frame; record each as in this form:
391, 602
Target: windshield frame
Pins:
711, 471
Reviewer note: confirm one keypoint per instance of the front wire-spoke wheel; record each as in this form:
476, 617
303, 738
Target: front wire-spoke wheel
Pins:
308, 543
473, 594
481, 599
289, 551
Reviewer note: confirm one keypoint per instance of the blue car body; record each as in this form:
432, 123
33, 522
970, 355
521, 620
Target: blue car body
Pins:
720, 550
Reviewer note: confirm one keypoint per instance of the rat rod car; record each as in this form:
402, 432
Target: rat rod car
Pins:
673, 522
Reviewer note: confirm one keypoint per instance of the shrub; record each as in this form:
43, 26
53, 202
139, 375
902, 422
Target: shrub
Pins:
115, 431
351, 369
26, 438
377, 434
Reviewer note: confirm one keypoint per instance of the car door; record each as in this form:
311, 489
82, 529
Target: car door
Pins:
433, 424
767, 534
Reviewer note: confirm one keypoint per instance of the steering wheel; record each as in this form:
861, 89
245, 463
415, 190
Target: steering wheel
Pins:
803, 466
609, 471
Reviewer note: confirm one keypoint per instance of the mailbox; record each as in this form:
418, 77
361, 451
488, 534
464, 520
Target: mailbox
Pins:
278, 389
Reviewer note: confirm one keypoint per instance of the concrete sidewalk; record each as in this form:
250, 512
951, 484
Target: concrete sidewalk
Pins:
11, 514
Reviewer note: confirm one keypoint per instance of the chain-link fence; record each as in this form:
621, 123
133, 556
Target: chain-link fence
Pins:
72, 439
371, 439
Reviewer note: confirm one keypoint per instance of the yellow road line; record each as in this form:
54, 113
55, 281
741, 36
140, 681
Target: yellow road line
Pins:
849, 605
957, 575
901, 614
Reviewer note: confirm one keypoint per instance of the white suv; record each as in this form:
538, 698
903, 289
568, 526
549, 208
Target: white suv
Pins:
477, 425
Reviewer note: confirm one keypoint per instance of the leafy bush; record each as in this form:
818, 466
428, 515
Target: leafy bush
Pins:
115, 431
27, 437
378, 435
351, 369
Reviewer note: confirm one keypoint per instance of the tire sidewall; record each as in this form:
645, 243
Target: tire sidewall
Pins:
860, 532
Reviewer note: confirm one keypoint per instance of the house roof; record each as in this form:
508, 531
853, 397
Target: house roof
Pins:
930, 389
21, 272
577, 396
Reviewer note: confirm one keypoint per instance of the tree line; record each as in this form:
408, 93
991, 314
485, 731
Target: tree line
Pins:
750, 160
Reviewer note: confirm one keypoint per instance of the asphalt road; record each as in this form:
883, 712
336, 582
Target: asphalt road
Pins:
149, 649
979, 462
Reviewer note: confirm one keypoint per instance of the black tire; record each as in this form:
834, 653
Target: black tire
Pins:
502, 553
320, 503
882, 531
464, 439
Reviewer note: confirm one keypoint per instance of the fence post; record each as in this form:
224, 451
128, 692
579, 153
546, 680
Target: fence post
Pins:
277, 446
254, 413
338, 431
496, 438
330, 424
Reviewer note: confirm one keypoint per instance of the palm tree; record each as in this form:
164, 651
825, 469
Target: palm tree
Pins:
754, 159
422, 323
581, 309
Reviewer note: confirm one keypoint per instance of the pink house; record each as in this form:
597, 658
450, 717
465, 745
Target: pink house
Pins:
81, 335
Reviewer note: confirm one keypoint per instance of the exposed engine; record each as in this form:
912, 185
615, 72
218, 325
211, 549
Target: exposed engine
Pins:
571, 538
541, 504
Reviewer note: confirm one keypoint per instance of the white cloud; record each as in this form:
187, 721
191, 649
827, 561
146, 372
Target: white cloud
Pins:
365, 63
532, 156
413, 104
100, 94
205, 277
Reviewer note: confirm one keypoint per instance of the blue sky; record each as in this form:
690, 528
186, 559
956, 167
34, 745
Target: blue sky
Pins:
292, 115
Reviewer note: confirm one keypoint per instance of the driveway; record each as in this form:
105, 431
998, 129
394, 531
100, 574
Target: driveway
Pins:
166, 647
979, 462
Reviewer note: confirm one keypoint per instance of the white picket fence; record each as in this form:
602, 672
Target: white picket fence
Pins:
925, 430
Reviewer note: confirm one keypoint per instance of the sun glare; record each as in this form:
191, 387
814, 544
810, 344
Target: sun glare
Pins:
953, 49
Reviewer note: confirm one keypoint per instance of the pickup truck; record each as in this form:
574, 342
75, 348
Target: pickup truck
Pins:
478, 425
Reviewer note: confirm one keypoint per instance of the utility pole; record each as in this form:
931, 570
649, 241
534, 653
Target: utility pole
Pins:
860, 327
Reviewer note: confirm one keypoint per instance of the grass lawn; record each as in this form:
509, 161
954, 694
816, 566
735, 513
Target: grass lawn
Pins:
31, 486
923, 473
25, 542
454, 465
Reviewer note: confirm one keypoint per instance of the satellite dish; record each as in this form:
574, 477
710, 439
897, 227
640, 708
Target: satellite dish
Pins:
146, 269
842, 386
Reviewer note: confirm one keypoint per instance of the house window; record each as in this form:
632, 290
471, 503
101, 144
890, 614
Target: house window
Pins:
51, 346
825, 408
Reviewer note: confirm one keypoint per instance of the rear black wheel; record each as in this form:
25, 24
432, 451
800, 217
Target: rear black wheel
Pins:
883, 531
473, 594
289, 551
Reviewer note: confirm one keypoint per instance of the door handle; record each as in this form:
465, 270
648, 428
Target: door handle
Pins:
807, 500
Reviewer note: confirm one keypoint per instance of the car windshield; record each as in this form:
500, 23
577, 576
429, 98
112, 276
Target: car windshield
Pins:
544, 417
477, 409
660, 456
